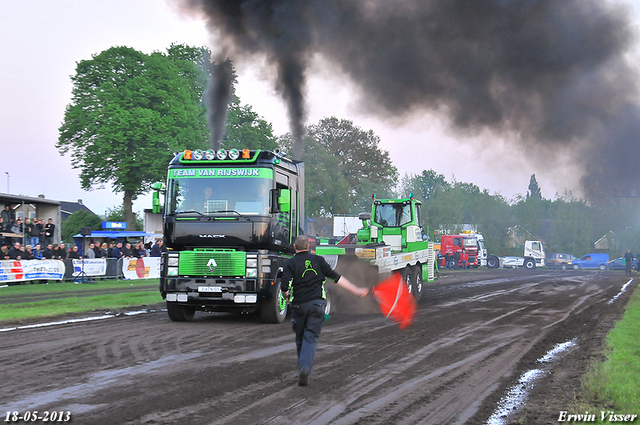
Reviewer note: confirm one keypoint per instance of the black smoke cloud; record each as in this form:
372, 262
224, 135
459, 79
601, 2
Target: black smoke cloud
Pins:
552, 73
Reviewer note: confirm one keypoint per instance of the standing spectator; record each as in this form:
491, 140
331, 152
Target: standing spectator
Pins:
104, 251
110, 250
91, 253
34, 232
96, 250
456, 259
628, 261
14, 252
26, 228
7, 214
55, 252
63, 251
28, 254
37, 255
47, 253
127, 252
49, 232
17, 227
465, 259
142, 252
41, 235
73, 253
116, 252
4, 252
157, 249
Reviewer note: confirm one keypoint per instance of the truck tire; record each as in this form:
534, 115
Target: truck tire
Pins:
529, 264
180, 313
407, 275
328, 304
274, 309
493, 262
418, 283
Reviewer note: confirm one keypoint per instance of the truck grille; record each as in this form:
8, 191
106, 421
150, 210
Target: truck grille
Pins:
228, 263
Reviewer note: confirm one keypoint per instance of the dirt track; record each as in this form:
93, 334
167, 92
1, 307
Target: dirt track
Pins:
474, 335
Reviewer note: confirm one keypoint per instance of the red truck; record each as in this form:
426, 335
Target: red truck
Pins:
465, 245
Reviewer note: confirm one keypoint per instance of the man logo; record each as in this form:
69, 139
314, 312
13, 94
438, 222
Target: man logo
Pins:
211, 265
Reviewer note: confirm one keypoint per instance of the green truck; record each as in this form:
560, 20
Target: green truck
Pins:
230, 217
392, 240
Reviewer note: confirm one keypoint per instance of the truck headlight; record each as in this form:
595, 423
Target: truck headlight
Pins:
172, 271
172, 261
252, 262
252, 272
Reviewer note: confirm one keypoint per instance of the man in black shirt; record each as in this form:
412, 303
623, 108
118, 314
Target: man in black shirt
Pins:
303, 282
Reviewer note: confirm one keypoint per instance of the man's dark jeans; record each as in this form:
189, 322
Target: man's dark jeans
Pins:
306, 320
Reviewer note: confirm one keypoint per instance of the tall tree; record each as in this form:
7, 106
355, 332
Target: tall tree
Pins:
129, 112
534, 190
348, 166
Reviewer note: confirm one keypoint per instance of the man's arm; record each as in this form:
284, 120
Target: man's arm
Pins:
355, 290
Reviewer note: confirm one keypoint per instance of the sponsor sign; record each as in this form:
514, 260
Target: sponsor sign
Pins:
90, 266
141, 268
17, 271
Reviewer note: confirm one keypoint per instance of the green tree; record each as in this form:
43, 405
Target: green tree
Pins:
129, 112
534, 190
82, 218
117, 214
344, 166
326, 193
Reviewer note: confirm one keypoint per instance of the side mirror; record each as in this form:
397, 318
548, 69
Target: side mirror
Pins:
284, 200
155, 198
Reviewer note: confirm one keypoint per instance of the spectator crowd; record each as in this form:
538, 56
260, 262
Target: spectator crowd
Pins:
18, 251
38, 237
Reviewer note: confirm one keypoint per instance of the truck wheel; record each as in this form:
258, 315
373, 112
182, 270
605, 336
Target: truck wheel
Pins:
418, 284
493, 262
274, 309
408, 278
180, 313
328, 304
529, 264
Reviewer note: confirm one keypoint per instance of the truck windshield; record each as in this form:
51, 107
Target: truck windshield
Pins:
470, 243
219, 196
393, 215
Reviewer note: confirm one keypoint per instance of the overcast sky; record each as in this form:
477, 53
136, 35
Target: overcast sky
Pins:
41, 42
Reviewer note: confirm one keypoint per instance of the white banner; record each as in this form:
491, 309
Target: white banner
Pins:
140, 268
90, 266
16, 271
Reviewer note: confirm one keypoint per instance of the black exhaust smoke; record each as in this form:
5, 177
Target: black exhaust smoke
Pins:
549, 75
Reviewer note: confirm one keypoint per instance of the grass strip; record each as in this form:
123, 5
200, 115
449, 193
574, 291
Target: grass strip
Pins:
60, 306
612, 385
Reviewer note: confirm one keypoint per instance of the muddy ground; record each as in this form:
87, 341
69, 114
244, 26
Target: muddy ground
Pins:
475, 334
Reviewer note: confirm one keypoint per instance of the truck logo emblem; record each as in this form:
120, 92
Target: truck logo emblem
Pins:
211, 265
211, 236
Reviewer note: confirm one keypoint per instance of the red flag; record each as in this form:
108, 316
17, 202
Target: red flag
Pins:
394, 300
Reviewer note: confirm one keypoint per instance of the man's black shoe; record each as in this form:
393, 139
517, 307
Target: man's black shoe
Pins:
303, 379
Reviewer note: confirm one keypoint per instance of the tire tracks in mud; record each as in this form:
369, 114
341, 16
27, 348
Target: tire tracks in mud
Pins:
464, 347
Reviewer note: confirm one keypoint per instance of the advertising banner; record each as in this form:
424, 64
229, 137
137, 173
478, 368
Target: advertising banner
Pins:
141, 268
17, 271
90, 266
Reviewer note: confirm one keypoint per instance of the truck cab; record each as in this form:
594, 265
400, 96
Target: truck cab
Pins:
395, 223
230, 218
